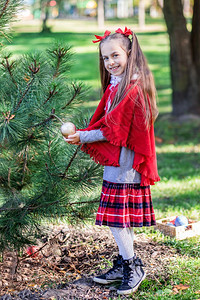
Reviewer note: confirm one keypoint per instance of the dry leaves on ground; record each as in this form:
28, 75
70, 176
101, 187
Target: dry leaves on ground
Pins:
71, 256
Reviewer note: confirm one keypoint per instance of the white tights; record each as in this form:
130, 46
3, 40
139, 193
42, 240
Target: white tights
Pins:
124, 238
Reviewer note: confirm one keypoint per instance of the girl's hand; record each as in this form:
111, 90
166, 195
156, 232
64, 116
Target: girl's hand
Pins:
73, 139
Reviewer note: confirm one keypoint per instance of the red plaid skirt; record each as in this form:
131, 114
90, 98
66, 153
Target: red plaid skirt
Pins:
125, 205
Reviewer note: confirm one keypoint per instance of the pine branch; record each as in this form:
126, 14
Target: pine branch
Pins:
30, 208
4, 8
51, 94
9, 67
70, 162
62, 175
59, 53
34, 68
5, 37
50, 156
24, 94
44, 121
84, 202
9, 173
6, 182
52, 116
47, 168
25, 164
77, 90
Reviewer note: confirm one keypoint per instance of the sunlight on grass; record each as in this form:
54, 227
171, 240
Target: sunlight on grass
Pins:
173, 187
92, 103
88, 25
85, 49
174, 197
179, 149
165, 92
183, 270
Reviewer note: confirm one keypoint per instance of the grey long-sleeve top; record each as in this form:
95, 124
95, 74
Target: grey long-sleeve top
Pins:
122, 174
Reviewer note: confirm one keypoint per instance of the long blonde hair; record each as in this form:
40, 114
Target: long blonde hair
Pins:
136, 64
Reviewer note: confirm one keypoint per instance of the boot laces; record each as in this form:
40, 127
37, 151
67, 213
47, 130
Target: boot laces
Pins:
129, 272
116, 265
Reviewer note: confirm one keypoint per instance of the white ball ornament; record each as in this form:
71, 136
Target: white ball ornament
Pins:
67, 129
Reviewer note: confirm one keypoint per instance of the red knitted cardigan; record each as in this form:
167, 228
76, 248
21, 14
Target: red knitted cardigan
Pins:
124, 126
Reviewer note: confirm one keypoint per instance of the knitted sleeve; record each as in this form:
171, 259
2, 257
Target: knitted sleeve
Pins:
91, 136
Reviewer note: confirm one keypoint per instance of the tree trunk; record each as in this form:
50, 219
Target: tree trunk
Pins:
100, 14
124, 9
184, 76
45, 28
195, 36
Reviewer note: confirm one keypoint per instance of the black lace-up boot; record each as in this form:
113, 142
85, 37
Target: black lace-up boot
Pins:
114, 274
133, 275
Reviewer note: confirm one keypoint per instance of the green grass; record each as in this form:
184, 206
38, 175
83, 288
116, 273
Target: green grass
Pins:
178, 154
182, 271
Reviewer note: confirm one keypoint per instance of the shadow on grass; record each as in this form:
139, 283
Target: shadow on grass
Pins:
178, 190
177, 202
175, 133
178, 165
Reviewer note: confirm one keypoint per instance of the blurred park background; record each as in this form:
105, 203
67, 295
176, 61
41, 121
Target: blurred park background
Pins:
169, 35
75, 22
41, 23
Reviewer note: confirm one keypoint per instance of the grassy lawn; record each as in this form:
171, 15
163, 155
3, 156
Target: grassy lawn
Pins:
178, 152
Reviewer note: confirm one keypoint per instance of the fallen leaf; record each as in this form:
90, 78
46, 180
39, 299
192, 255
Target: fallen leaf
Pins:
31, 251
155, 254
158, 140
175, 291
181, 286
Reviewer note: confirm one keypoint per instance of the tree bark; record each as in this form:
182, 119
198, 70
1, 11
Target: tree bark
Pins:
184, 76
195, 35
45, 28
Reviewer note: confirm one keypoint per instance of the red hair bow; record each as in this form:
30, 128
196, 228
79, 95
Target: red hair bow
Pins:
99, 38
126, 31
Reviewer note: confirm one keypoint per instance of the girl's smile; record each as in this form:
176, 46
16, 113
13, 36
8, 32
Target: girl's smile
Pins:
114, 57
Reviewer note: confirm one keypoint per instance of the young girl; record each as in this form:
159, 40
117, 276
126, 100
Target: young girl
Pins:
120, 136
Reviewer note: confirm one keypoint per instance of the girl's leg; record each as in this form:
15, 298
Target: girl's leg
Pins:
131, 230
124, 240
133, 273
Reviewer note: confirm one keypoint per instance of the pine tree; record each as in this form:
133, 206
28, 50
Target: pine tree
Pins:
8, 12
41, 176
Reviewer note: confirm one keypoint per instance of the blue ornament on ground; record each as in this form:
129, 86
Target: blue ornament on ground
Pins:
181, 221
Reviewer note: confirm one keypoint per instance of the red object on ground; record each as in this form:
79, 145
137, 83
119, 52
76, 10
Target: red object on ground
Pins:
173, 221
31, 251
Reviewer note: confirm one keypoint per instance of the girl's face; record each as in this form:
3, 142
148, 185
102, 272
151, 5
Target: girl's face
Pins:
114, 57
